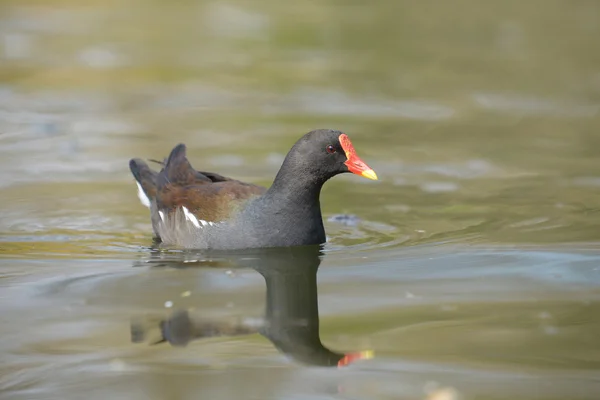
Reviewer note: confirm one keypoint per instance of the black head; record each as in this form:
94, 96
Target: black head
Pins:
324, 153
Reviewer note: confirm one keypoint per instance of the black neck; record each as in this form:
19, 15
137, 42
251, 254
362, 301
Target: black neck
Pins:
295, 186
292, 206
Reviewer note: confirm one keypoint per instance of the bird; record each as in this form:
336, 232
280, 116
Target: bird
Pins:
193, 209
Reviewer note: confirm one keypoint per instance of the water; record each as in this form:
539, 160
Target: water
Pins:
471, 269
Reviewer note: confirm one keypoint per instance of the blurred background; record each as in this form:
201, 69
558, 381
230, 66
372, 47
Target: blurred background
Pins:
473, 262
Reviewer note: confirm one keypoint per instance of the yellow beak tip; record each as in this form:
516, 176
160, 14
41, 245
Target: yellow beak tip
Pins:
369, 174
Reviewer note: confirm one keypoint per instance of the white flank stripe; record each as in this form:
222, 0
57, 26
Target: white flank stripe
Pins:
191, 217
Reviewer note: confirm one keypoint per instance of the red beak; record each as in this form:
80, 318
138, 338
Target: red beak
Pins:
354, 163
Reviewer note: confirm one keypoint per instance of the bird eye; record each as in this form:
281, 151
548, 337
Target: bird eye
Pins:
330, 149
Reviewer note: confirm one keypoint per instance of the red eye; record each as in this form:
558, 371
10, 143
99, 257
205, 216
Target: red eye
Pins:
330, 149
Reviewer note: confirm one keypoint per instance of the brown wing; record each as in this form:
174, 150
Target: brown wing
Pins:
209, 196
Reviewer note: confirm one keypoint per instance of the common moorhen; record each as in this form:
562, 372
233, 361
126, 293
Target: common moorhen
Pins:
204, 210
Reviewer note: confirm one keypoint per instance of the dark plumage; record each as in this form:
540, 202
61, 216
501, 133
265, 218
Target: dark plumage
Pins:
195, 209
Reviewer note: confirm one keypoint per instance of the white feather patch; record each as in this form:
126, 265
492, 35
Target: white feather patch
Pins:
142, 196
192, 218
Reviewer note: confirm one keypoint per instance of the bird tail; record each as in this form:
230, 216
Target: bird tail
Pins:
146, 180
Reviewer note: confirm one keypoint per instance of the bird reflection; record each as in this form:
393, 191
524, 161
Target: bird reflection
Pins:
291, 319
